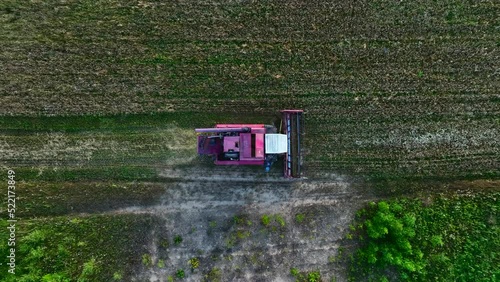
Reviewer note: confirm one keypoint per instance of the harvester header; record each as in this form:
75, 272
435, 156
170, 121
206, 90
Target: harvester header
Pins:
256, 144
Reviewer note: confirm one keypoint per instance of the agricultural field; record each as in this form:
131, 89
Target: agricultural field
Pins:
99, 101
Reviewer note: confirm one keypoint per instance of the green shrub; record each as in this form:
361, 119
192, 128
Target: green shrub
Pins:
161, 263
117, 276
390, 232
279, 219
177, 239
180, 273
314, 276
265, 219
406, 238
273, 222
299, 218
147, 260
194, 263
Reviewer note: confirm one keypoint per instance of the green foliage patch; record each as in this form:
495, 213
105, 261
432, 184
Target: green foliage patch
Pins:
273, 222
194, 263
304, 276
147, 260
300, 217
451, 239
241, 229
177, 239
180, 274
76, 249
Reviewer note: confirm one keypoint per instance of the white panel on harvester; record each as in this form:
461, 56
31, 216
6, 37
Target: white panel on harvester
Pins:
276, 143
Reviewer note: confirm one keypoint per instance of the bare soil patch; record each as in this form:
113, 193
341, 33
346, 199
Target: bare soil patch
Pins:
220, 222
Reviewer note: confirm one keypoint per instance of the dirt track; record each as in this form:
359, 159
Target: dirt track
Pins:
202, 210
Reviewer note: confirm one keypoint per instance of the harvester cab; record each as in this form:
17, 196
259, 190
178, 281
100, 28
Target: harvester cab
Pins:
256, 144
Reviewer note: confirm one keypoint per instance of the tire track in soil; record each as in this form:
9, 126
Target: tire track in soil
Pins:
199, 196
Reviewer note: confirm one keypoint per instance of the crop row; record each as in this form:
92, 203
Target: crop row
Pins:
105, 58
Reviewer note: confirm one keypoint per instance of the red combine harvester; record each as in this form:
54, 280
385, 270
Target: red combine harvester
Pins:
256, 144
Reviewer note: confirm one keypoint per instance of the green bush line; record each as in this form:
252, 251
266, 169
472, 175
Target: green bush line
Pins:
449, 239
